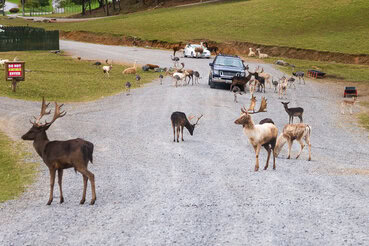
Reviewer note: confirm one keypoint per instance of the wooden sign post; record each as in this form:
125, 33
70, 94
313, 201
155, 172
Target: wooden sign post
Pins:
15, 71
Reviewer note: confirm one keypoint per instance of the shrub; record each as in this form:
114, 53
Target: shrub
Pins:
14, 10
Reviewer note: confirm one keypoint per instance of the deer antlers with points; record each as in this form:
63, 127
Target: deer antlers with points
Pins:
57, 114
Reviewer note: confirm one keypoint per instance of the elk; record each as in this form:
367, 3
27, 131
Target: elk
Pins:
290, 133
179, 120
293, 112
259, 135
60, 155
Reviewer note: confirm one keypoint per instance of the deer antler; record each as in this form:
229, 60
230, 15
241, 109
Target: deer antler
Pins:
244, 110
43, 112
190, 117
198, 118
57, 113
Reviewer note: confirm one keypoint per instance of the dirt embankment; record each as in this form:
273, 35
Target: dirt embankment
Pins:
237, 48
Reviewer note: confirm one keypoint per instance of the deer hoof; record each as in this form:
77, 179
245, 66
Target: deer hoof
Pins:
256, 169
288, 157
309, 159
49, 202
82, 201
61, 200
92, 202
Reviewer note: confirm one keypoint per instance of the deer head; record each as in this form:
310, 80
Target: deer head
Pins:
245, 117
38, 128
193, 125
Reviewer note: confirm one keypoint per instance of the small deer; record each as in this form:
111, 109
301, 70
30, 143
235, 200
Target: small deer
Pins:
293, 112
349, 104
179, 120
60, 155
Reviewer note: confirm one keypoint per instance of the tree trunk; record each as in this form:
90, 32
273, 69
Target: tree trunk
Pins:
89, 6
114, 5
107, 7
83, 7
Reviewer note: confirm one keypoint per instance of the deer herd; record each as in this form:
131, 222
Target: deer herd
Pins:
77, 153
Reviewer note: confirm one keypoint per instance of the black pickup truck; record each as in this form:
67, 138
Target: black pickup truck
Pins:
224, 68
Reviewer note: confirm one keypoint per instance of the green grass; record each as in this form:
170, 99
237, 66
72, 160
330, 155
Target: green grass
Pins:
338, 71
331, 25
14, 175
62, 78
364, 120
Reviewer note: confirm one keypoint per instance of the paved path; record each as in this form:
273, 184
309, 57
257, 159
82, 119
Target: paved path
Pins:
151, 191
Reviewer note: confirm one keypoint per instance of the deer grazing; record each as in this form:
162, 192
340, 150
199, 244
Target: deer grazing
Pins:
179, 120
60, 155
259, 135
293, 112
290, 133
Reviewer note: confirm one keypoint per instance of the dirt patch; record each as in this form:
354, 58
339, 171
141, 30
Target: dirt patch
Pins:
236, 48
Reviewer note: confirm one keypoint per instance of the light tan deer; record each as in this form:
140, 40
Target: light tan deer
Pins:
348, 104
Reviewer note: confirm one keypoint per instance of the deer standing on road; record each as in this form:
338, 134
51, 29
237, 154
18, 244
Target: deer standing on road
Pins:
293, 112
60, 155
179, 120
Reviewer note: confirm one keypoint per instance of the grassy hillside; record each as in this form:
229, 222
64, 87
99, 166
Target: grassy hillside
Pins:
331, 25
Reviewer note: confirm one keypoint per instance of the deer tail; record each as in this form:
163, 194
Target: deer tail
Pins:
88, 149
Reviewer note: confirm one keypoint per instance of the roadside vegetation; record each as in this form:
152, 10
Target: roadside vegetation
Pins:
62, 78
333, 70
15, 176
332, 25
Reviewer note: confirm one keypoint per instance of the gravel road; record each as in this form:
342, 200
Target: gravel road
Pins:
151, 191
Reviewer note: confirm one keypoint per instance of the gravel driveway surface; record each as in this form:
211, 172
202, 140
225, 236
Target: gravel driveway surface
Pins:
151, 191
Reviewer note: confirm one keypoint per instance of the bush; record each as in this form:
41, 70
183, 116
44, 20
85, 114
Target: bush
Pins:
14, 10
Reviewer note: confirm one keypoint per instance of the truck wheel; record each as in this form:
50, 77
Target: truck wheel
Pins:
211, 83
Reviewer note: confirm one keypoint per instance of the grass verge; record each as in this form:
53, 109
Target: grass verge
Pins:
331, 25
62, 78
364, 120
334, 71
15, 176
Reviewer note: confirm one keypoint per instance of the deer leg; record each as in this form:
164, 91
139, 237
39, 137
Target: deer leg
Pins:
91, 177
182, 133
289, 149
257, 151
85, 179
300, 117
60, 179
177, 134
307, 140
52, 181
174, 132
351, 110
302, 147
268, 149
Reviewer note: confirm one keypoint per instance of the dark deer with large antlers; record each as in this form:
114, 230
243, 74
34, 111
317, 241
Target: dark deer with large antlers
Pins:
179, 120
60, 155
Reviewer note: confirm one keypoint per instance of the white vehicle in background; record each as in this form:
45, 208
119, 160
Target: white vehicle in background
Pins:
190, 51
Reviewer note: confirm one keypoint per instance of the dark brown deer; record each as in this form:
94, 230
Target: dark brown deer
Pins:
60, 155
293, 112
179, 120
240, 81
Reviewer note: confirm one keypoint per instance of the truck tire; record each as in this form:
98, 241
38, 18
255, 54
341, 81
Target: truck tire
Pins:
211, 84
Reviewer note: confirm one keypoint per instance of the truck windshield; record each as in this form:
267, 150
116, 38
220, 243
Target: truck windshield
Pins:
228, 61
